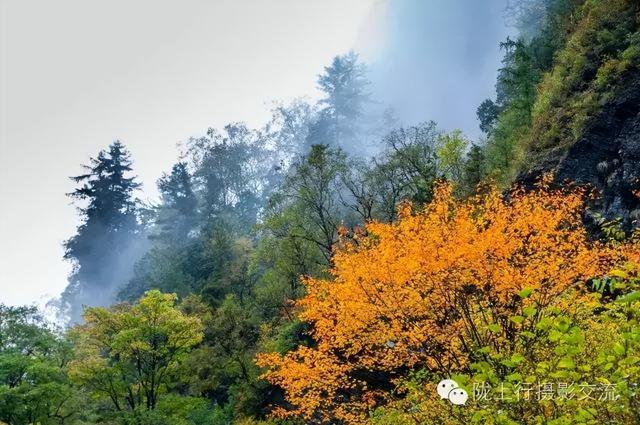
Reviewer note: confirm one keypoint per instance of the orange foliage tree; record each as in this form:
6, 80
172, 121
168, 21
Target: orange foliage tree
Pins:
427, 291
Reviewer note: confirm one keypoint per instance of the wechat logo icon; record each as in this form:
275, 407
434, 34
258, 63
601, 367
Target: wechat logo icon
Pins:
449, 389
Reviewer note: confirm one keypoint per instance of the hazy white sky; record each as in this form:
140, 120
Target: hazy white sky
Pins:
77, 74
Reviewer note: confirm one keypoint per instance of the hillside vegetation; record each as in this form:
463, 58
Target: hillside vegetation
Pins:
584, 55
331, 267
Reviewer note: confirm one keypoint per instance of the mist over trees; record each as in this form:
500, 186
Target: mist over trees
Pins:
344, 84
110, 238
243, 216
212, 199
314, 270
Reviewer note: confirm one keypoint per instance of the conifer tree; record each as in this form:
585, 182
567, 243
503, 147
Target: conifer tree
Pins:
102, 250
344, 85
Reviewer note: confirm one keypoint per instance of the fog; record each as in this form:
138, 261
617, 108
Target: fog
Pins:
439, 58
74, 76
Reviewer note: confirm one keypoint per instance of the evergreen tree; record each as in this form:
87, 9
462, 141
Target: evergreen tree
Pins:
474, 168
102, 250
177, 215
487, 114
343, 84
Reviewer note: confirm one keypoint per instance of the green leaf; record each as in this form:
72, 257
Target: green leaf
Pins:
544, 323
618, 348
560, 374
529, 311
527, 334
563, 324
515, 360
584, 368
566, 363
575, 338
517, 357
586, 414
525, 293
494, 327
619, 273
514, 377
554, 335
460, 379
629, 298
517, 319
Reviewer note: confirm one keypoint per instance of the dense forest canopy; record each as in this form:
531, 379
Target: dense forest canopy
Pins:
332, 266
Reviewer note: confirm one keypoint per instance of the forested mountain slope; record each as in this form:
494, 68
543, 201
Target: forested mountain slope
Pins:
568, 101
606, 156
585, 119
332, 266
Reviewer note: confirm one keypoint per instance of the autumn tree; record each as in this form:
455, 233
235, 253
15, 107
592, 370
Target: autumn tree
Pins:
431, 290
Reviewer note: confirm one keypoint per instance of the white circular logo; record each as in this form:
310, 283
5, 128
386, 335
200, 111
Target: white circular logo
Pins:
445, 386
450, 390
458, 396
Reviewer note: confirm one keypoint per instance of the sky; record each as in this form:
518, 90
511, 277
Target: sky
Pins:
77, 74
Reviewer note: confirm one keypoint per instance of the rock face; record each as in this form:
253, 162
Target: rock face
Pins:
607, 157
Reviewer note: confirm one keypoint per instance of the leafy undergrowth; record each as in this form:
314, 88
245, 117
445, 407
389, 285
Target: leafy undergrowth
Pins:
489, 290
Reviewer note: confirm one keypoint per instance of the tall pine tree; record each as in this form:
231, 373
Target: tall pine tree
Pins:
344, 85
177, 216
106, 243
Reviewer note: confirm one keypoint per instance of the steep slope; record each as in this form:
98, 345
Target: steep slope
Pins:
607, 156
585, 122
